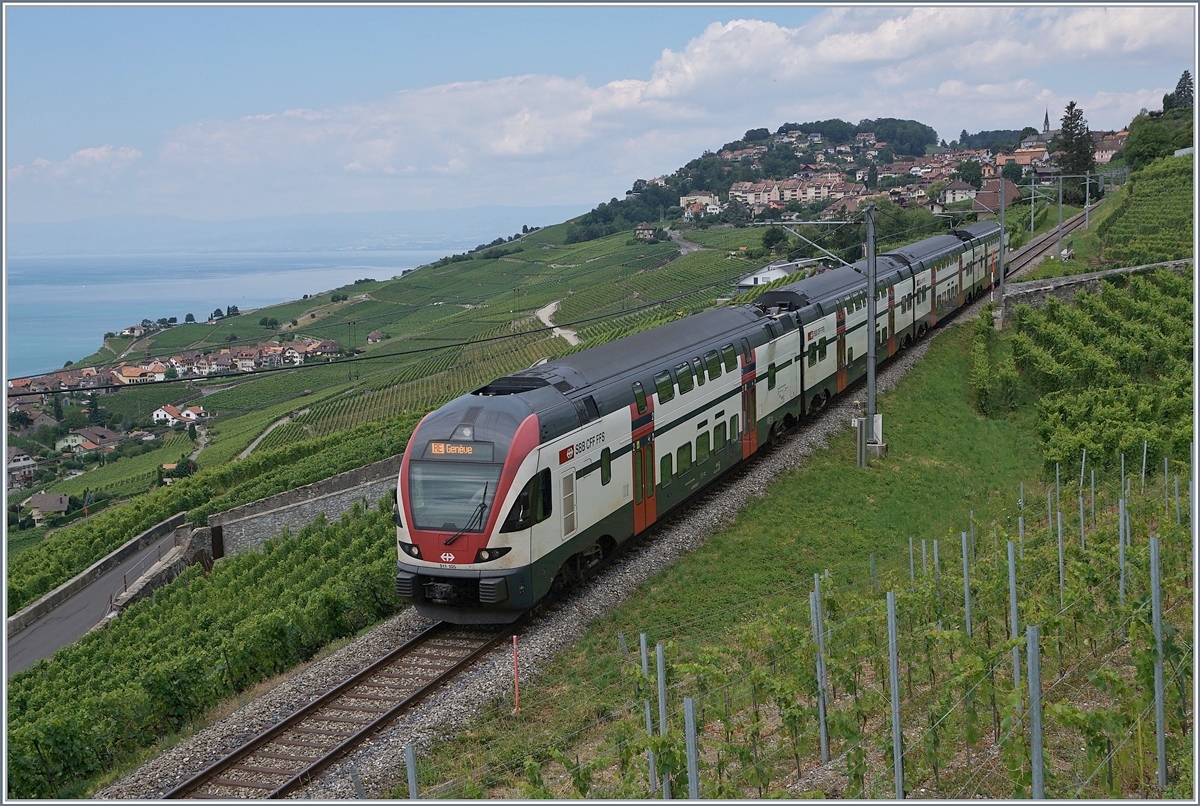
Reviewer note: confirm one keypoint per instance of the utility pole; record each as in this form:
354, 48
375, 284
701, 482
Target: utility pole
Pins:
871, 332
1087, 204
1032, 199
1003, 235
1060, 216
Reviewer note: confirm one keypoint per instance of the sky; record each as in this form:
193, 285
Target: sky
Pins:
229, 112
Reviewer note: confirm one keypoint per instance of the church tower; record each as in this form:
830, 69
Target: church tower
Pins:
1046, 124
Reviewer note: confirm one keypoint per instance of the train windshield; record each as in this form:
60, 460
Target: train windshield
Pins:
452, 496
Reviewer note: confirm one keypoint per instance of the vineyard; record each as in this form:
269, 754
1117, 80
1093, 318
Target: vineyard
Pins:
170, 658
130, 475
1156, 221
782, 709
1115, 369
72, 549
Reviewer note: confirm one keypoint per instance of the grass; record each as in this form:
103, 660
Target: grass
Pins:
943, 461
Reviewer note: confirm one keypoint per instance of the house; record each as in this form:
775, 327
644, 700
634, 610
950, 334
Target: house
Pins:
864, 139
1025, 157
43, 505
247, 358
761, 276
19, 468
293, 356
1107, 148
329, 348
957, 191
128, 376
168, 414
642, 231
704, 197
987, 200
99, 436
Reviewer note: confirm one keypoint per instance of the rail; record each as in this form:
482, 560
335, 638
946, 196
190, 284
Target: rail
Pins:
291, 753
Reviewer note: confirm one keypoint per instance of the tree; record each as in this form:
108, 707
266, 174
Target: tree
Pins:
174, 320
192, 431
773, 237
1011, 171
872, 177
171, 374
970, 172
217, 314
1078, 157
232, 310
189, 318
757, 135
1183, 91
18, 419
1147, 142
56, 407
1028, 131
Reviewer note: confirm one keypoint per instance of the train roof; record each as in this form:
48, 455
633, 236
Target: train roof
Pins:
654, 346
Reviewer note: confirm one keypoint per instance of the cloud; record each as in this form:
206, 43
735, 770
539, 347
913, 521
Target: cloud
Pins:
85, 165
546, 139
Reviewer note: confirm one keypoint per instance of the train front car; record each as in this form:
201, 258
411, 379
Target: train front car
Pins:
469, 465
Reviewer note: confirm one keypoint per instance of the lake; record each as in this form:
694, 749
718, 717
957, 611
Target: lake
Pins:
57, 309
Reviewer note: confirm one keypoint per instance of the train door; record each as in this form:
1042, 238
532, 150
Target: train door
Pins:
645, 502
749, 401
568, 503
959, 282
891, 321
840, 315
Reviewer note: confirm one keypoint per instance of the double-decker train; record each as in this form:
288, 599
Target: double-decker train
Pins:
518, 488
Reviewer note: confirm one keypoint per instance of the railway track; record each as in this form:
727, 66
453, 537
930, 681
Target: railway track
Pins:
1033, 250
289, 754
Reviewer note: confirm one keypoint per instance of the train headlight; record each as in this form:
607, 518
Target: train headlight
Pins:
487, 555
411, 550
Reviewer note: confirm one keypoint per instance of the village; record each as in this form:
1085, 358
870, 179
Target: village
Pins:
841, 173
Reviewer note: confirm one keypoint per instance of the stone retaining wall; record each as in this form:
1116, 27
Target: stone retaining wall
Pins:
21, 620
250, 525
1035, 292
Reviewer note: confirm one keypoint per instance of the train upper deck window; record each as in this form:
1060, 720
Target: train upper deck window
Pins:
666, 389
683, 372
639, 395
699, 371
746, 350
714, 364
605, 466
730, 356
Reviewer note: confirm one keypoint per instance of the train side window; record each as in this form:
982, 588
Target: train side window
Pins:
812, 354
683, 372
639, 395
771, 376
699, 371
822, 349
730, 356
746, 349
605, 466
666, 389
713, 361
702, 448
533, 504
683, 458
664, 469
849, 355
719, 437
734, 428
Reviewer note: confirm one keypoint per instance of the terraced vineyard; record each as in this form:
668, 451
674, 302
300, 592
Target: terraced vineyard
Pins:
1156, 222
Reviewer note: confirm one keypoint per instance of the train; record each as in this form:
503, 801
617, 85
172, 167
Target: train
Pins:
521, 487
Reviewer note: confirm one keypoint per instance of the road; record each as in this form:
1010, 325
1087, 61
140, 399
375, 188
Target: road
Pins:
74, 617
685, 247
545, 313
270, 428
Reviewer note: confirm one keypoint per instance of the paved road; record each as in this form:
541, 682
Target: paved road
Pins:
74, 617
685, 247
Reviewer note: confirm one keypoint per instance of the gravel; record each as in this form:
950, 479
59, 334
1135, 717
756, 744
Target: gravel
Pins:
379, 763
